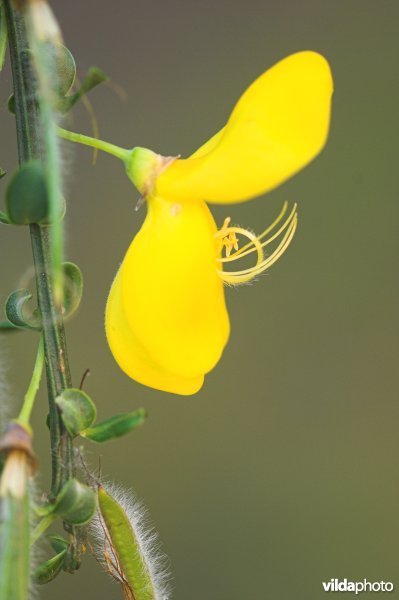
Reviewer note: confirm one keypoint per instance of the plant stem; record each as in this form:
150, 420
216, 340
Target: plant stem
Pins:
3, 36
41, 528
30, 146
26, 410
86, 140
58, 374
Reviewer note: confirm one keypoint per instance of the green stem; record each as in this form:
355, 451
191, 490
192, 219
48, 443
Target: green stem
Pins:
41, 528
58, 374
86, 140
29, 399
3, 36
30, 146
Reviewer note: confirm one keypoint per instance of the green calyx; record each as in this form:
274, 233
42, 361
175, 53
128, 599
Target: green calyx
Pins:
142, 167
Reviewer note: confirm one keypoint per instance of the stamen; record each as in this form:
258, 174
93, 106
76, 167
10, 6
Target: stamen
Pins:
271, 227
245, 275
229, 239
240, 253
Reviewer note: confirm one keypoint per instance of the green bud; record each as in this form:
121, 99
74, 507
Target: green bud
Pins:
26, 196
48, 570
115, 426
76, 503
78, 410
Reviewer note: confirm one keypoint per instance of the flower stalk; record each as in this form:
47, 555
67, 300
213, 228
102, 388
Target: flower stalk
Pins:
29, 399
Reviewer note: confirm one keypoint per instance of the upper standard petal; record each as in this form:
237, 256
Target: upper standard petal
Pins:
277, 127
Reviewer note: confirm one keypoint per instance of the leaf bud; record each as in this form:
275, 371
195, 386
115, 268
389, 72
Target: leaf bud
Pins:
78, 410
76, 503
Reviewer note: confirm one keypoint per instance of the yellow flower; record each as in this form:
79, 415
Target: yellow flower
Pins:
166, 319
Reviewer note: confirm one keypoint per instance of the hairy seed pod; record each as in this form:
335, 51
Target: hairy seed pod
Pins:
126, 551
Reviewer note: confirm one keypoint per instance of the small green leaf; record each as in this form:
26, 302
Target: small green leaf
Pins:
115, 426
48, 570
26, 195
2, 172
7, 326
63, 65
65, 68
58, 543
4, 218
11, 104
76, 503
16, 311
94, 77
78, 410
73, 288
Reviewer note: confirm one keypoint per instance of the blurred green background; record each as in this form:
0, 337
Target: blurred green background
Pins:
283, 471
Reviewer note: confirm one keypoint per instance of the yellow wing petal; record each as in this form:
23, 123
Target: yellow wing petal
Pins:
277, 127
133, 359
166, 320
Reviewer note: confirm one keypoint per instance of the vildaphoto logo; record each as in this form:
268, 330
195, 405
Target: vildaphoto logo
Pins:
344, 585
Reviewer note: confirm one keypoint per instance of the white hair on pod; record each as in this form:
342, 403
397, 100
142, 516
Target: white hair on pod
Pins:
147, 539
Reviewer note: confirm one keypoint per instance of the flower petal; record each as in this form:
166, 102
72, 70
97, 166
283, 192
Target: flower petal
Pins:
133, 359
166, 318
278, 126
